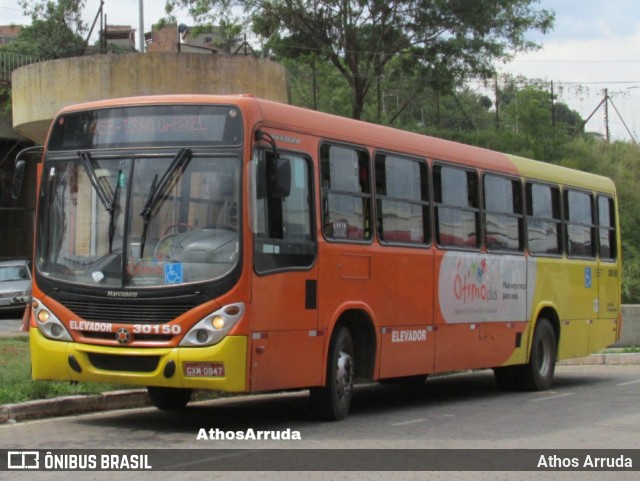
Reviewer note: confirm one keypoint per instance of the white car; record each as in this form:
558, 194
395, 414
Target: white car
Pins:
15, 285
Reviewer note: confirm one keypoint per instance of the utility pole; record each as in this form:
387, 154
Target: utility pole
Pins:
102, 32
314, 81
141, 25
553, 109
607, 133
497, 102
605, 100
379, 94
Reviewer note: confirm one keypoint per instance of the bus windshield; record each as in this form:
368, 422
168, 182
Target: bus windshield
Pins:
139, 219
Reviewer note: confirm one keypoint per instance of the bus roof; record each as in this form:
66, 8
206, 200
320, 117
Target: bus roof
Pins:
342, 129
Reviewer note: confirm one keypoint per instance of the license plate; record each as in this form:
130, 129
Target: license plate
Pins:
203, 369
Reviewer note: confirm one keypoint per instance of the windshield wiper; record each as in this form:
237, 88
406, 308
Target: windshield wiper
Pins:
103, 195
158, 189
112, 212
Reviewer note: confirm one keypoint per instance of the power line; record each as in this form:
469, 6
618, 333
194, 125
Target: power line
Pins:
574, 61
593, 82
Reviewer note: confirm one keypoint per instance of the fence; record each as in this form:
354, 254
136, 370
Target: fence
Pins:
9, 61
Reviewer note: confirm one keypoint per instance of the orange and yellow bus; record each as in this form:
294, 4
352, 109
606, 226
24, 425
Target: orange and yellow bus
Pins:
236, 244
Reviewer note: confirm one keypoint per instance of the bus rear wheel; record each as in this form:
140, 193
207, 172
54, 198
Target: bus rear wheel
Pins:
332, 401
537, 374
169, 398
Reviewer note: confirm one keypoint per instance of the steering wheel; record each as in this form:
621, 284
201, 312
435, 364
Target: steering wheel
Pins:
162, 252
173, 226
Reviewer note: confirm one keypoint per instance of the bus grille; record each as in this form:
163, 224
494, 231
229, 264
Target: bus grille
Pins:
109, 336
118, 312
109, 362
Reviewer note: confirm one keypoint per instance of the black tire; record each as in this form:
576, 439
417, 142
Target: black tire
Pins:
169, 398
538, 373
332, 401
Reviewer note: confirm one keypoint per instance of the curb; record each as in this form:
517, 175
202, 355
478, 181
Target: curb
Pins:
611, 359
79, 404
13, 334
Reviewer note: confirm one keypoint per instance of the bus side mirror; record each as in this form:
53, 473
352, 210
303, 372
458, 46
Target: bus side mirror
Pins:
30, 154
280, 180
18, 179
272, 177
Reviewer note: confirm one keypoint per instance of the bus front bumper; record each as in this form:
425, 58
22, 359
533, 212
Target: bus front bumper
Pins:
221, 367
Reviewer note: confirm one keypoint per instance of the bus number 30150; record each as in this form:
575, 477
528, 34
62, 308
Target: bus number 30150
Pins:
157, 329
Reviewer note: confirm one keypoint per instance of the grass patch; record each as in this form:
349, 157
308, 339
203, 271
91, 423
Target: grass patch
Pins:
17, 386
630, 349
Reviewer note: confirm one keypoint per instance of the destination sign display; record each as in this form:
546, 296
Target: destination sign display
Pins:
158, 125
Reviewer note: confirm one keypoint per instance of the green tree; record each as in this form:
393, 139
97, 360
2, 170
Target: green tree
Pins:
568, 120
56, 29
528, 109
530, 106
449, 38
67, 12
230, 35
315, 84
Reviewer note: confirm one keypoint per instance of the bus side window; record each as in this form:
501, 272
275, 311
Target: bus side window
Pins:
455, 197
580, 224
606, 228
503, 220
544, 220
402, 200
346, 196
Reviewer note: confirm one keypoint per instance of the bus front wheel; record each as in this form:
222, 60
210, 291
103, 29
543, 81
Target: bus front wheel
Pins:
169, 398
331, 402
538, 373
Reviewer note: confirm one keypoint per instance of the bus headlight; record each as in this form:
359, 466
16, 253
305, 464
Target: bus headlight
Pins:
48, 324
213, 328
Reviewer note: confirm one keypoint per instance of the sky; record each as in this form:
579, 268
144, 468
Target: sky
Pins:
594, 45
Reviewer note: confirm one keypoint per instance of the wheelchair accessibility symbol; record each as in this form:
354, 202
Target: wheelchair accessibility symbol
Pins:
173, 274
587, 277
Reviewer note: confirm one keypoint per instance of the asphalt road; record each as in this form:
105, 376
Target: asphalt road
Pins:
589, 407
